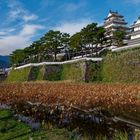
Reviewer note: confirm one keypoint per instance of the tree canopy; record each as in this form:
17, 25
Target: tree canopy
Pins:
53, 42
118, 37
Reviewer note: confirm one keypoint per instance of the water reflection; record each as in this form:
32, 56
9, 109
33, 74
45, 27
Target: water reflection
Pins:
90, 127
83, 126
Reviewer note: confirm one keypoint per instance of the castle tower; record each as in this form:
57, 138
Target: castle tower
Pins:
114, 22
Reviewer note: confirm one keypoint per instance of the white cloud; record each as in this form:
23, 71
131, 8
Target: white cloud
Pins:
22, 14
11, 30
2, 33
17, 11
22, 39
10, 43
6, 31
73, 27
21, 35
14, 14
29, 30
27, 18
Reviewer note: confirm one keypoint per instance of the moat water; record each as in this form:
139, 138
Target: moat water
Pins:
82, 127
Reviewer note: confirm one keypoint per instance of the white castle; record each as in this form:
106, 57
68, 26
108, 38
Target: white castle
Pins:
116, 22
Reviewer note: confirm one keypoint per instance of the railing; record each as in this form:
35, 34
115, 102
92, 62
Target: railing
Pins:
78, 58
126, 47
59, 63
3, 72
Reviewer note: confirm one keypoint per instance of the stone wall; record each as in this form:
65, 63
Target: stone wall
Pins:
81, 71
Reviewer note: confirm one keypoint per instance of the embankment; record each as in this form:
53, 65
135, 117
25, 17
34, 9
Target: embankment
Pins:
79, 71
123, 66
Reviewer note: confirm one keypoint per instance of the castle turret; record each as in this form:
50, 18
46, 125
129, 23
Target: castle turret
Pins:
135, 34
115, 22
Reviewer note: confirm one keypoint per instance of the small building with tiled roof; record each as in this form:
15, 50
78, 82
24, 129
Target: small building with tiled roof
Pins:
135, 34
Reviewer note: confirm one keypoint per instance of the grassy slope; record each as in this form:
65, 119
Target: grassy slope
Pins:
18, 75
73, 72
122, 67
15, 130
117, 67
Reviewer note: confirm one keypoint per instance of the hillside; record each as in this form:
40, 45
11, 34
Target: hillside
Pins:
79, 71
122, 66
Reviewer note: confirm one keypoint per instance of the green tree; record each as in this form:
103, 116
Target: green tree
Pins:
93, 36
29, 52
99, 38
17, 57
52, 39
65, 42
76, 42
118, 37
88, 34
38, 49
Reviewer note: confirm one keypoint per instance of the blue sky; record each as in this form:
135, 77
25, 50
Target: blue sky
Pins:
23, 21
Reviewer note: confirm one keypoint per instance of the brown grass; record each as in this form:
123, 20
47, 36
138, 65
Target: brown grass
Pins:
117, 98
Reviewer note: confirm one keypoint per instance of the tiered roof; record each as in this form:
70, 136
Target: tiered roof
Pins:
136, 23
115, 21
113, 14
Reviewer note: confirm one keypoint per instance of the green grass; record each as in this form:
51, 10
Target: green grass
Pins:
77, 72
120, 136
73, 72
18, 75
122, 67
11, 129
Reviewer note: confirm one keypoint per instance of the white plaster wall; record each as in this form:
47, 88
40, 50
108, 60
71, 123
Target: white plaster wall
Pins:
117, 25
135, 36
138, 21
137, 28
59, 63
